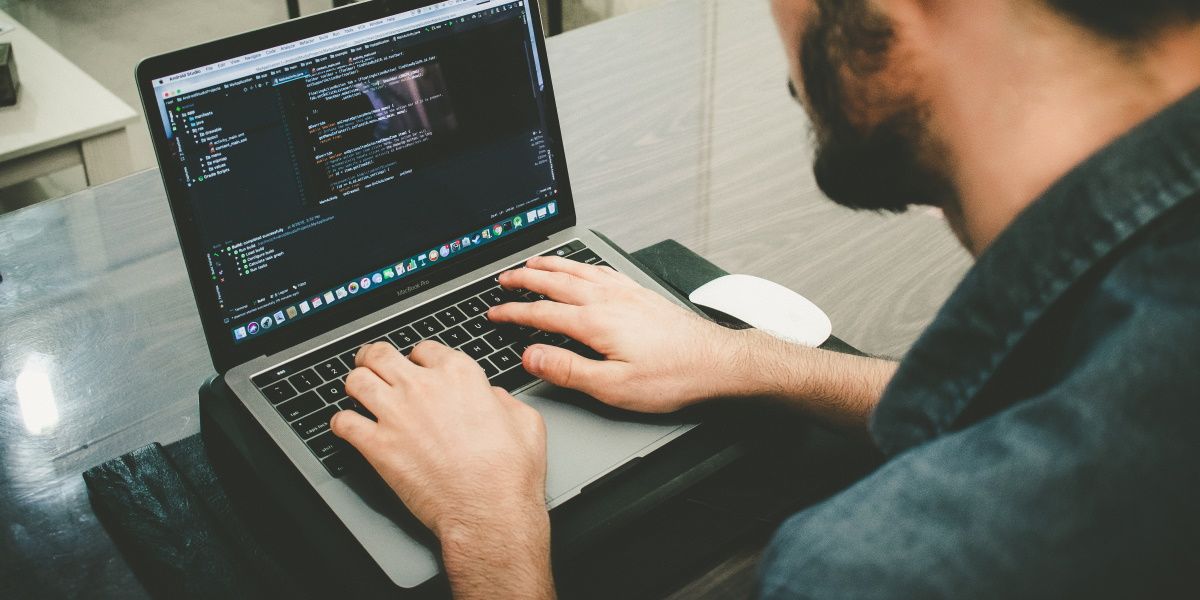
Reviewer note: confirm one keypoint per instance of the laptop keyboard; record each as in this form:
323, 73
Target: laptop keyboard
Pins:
308, 391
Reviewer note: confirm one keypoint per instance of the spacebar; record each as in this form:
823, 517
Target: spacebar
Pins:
512, 378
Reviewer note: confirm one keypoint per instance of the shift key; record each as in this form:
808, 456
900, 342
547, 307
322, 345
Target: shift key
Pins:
315, 423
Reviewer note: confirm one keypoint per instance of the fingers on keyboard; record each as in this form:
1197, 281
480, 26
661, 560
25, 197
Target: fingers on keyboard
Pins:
307, 392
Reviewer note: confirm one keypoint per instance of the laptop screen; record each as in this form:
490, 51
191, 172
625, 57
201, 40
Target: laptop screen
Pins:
326, 169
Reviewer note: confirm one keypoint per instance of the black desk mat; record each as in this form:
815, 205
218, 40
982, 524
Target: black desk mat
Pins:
191, 521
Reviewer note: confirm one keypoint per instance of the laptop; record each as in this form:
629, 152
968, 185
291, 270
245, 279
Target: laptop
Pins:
363, 175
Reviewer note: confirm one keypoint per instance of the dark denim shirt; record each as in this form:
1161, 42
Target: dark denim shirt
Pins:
1043, 435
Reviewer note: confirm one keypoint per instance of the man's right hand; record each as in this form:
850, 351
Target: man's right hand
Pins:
660, 357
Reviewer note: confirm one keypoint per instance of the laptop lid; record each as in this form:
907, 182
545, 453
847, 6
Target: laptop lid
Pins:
324, 168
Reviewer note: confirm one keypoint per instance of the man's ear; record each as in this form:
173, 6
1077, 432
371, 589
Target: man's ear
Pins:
913, 19
791, 19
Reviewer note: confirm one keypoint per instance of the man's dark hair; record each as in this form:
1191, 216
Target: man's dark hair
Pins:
1128, 20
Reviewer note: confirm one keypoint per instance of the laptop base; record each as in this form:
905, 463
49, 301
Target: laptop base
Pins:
240, 448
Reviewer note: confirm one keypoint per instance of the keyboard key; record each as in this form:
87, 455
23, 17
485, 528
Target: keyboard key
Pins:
342, 462
521, 344
454, 337
473, 307
362, 410
325, 444
488, 368
569, 248
492, 297
332, 391
305, 380
496, 296
331, 369
478, 326
550, 339
505, 359
348, 358
582, 350
512, 379
476, 348
405, 337
502, 336
282, 371
301, 405
451, 316
585, 256
472, 290
427, 327
352, 404
279, 391
529, 296
262, 380
315, 423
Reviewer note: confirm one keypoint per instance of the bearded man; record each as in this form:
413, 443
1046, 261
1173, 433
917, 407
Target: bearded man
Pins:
1041, 436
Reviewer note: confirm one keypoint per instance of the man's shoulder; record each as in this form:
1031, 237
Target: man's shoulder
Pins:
1128, 329
1147, 294
1039, 313
1078, 480
1162, 262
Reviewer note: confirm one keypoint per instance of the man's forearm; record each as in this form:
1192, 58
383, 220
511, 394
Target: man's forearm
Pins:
506, 559
839, 389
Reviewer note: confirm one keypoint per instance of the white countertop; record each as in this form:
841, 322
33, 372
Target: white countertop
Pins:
57, 103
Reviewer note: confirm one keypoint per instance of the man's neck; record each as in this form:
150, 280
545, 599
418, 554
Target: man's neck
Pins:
1046, 95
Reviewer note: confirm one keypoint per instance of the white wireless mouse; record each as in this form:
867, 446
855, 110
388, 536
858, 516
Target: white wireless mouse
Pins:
768, 306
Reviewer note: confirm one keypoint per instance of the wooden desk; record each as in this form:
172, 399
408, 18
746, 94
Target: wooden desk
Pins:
677, 124
62, 117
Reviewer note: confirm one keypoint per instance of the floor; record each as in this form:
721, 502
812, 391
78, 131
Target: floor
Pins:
107, 38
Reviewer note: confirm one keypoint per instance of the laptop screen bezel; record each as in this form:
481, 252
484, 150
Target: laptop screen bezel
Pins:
225, 353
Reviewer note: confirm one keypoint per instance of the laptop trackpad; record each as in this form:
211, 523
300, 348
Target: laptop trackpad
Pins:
586, 438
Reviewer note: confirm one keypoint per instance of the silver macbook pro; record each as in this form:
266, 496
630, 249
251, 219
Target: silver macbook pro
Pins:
363, 175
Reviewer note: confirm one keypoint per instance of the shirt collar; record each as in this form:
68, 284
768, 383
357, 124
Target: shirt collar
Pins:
1052, 244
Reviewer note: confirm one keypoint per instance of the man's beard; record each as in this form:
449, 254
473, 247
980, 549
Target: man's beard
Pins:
889, 165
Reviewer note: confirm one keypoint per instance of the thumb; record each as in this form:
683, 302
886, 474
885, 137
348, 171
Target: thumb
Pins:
565, 368
354, 428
